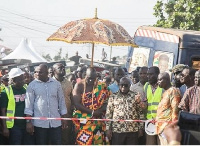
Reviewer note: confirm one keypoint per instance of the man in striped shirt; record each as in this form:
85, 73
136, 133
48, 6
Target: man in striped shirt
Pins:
44, 98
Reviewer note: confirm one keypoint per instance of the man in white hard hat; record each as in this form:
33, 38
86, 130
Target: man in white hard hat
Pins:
12, 105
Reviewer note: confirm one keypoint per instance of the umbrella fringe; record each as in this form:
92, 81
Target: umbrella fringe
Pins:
84, 42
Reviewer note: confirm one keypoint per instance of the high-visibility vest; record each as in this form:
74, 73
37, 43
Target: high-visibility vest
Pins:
153, 100
2, 87
25, 86
11, 106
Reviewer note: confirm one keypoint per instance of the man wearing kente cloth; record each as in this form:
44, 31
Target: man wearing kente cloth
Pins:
90, 100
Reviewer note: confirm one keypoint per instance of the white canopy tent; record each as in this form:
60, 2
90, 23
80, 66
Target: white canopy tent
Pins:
36, 53
25, 51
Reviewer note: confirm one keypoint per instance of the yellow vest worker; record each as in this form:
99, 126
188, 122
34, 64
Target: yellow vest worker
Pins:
153, 100
12, 103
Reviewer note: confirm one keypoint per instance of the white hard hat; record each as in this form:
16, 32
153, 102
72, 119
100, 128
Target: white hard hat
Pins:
15, 72
150, 127
3, 50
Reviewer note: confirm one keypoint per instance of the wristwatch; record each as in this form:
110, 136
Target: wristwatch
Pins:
28, 121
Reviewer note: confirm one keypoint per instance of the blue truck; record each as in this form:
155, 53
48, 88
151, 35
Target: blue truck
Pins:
164, 48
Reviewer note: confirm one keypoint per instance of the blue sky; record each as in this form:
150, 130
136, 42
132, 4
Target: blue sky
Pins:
38, 19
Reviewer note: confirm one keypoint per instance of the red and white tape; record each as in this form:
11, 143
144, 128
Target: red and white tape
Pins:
45, 118
76, 119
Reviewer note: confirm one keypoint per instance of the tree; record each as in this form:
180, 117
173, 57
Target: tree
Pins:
179, 14
58, 56
65, 58
47, 57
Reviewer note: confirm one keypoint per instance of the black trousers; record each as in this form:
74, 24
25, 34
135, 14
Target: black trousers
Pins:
142, 139
45, 135
127, 138
152, 140
68, 134
3, 140
20, 136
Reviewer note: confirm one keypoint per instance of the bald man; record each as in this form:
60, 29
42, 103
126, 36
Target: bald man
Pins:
168, 106
90, 100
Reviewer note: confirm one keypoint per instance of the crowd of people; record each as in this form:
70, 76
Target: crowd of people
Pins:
104, 58
124, 104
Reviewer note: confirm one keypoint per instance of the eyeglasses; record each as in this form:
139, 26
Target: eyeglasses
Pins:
123, 85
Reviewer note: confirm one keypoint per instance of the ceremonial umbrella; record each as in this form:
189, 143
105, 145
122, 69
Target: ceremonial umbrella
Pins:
94, 31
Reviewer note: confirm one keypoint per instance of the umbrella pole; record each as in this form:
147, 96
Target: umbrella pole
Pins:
92, 55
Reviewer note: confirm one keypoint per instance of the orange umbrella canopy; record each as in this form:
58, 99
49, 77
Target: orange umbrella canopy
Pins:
95, 31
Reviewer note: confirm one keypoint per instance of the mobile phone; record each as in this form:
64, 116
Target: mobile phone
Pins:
190, 128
